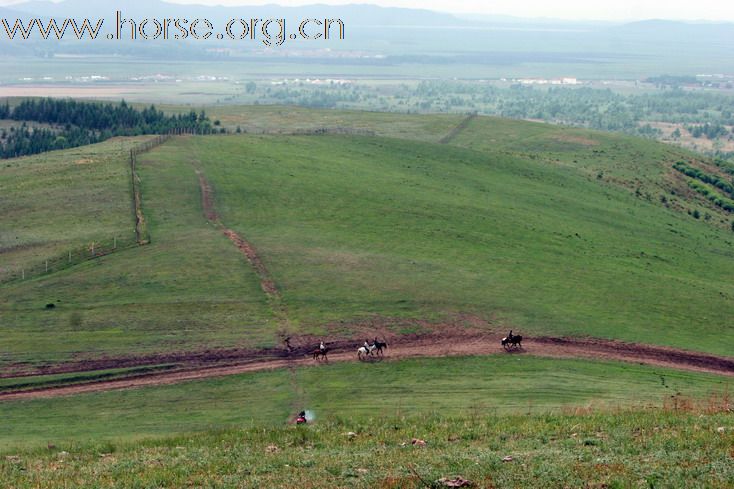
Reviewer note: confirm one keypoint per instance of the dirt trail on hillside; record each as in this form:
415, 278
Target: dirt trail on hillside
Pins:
428, 345
207, 202
458, 129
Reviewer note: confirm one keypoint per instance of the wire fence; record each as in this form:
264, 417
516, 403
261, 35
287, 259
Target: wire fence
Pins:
97, 248
75, 256
142, 235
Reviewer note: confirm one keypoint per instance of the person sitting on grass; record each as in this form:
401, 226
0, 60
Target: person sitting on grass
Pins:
301, 419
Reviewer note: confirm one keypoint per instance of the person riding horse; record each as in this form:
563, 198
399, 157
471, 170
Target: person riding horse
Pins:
511, 341
322, 347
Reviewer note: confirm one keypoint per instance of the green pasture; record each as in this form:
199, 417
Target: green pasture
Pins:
188, 290
353, 227
497, 385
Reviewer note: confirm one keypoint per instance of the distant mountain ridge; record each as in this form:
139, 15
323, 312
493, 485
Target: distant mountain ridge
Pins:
357, 14
361, 14
375, 34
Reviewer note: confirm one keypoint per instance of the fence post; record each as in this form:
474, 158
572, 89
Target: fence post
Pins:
22, 273
46, 266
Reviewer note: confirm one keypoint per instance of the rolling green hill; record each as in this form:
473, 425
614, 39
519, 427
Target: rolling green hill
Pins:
58, 201
344, 224
528, 226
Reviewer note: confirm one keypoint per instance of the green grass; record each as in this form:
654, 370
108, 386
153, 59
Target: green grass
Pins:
620, 450
548, 230
353, 227
501, 384
287, 119
62, 200
541, 229
188, 290
471, 411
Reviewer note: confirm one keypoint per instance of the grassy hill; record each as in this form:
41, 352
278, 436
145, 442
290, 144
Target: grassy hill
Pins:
528, 226
58, 201
370, 224
359, 226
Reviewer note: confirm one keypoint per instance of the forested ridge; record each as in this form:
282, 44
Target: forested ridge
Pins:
74, 123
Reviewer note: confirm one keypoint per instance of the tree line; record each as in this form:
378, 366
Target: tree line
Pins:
74, 123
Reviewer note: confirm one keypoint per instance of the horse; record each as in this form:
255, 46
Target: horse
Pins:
318, 352
514, 342
365, 351
379, 346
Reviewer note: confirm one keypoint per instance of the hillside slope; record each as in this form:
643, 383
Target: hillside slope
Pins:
542, 229
363, 226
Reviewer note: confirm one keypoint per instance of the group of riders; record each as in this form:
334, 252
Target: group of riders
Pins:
366, 349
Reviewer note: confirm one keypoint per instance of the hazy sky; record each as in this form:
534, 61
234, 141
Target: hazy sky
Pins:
722, 10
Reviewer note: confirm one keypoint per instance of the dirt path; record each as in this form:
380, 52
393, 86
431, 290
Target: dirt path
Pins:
428, 345
457, 130
207, 203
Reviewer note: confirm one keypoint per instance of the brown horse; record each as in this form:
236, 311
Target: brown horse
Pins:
319, 354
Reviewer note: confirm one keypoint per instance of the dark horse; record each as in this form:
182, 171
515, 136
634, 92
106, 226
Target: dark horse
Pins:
514, 341
379, 346
318, 353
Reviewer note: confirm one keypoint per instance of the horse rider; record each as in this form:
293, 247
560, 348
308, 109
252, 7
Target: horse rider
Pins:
509, 336
322, 347
367, 346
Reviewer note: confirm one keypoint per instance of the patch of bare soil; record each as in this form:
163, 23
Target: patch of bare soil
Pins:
576, 139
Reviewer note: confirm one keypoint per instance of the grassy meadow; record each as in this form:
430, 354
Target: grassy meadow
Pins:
354, 227
564, 423
498, 385
189, 289
620, 450
544, 229
58, 201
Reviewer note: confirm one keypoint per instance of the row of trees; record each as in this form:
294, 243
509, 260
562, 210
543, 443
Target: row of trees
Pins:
25, 140
73, 123
709, 178
710, 131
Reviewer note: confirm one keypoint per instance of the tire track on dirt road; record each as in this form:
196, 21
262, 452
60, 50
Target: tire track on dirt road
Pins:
413, 346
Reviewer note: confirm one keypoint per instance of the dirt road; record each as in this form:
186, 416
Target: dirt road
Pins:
230, 362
